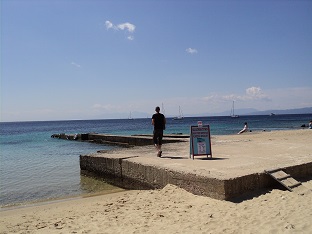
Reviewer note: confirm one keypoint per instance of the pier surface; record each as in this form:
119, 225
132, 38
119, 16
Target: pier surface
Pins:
237, 165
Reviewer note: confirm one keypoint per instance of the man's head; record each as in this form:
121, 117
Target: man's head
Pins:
157, 109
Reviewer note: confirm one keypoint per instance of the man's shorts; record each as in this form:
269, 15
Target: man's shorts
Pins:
158, 135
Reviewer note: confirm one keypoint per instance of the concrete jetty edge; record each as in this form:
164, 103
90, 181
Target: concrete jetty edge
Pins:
119, 140
237, 168
156, 177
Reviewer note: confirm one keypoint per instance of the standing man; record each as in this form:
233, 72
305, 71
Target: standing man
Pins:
159, 122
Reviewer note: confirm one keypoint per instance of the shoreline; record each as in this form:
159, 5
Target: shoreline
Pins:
171, 210
216, 139
174, 210
42, 202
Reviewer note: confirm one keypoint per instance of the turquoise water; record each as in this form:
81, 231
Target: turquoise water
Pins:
36, 167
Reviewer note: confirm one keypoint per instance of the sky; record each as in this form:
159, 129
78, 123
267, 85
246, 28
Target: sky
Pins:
97, 59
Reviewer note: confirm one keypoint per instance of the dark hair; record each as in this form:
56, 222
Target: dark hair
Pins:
245, 122
157, 108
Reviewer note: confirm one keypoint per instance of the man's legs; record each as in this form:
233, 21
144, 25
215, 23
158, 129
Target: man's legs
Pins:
160, 142
157, 138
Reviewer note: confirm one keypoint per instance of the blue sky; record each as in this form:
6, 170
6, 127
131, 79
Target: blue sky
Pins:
104, 59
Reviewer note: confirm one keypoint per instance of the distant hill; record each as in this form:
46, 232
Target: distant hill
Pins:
237, 112
247, 111
307, 110
251, 111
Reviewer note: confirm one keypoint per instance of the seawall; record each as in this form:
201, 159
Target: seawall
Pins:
153, 176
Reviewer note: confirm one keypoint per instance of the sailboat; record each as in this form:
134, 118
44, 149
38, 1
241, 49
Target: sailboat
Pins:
130, 117
180, 116
232, 112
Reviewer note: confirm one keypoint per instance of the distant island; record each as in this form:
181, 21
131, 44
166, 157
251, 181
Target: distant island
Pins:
251, 111
248, 111
307, 110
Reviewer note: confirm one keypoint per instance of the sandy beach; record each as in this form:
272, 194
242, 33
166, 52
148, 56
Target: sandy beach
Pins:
173, 210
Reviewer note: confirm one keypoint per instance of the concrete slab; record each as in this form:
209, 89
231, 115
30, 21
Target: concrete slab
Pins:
237, 165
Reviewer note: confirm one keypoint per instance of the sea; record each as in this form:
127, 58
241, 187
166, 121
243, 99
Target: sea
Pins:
35, 167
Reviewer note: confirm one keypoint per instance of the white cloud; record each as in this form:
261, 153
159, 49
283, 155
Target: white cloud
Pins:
128, 27
191, 51
252, 94
210, 98
75, 64
109, 24
255, 97
230, 97
107, 107
255, 93
98, 106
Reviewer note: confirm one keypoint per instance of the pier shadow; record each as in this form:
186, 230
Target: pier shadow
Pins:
250, 195
210, 159
171, 157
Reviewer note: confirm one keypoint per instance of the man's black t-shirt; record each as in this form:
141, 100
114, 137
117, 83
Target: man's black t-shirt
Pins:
159, 121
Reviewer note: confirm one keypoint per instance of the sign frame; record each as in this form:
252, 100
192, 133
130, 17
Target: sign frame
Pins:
200, 141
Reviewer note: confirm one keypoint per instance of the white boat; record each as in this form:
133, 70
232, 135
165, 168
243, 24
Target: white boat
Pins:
130, 117
180, 116
232, 112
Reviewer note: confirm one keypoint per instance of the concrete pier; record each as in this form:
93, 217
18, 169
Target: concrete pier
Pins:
237, 166
126, 141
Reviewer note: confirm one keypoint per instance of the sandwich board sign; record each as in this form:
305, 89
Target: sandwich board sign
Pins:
200, 143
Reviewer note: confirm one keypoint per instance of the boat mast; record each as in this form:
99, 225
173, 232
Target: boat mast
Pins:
163, 108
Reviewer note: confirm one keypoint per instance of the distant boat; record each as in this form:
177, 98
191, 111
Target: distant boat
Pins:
232, 112
180, 116
130, 117
272, 114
